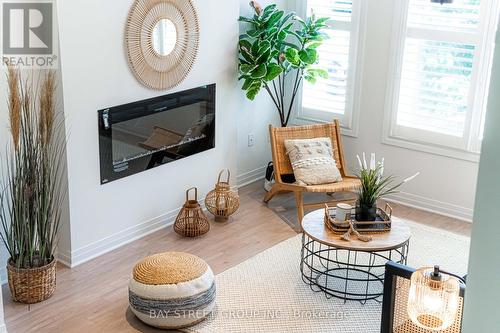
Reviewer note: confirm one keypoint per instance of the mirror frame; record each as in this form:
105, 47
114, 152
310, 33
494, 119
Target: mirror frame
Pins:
154, 70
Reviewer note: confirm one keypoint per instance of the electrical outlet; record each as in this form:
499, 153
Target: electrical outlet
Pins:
251, 139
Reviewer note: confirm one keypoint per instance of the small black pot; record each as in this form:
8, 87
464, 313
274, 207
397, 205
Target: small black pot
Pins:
366, 212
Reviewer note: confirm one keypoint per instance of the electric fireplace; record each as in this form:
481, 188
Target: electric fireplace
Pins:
142, 135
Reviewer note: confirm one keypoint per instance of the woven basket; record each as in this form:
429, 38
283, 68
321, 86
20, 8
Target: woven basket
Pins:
191, 220
32, 285
221, 201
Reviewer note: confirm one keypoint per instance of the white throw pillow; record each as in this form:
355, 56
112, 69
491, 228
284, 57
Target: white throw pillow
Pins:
313, 161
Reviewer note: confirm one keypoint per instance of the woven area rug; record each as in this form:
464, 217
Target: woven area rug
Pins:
266, 293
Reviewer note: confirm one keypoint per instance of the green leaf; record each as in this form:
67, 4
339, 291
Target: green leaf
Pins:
282, 35
259, 72
309, 56
246, 19
264, 57
245, 52
310, 79
251, 93
322, 20
264, 47
255, 47
291, 45
273, 71
274, 19
321, 73
285, 20
255, 33
247, 56
245, 43
313, 45
248, 82
292, 55
244, 68
272, 31
268, 11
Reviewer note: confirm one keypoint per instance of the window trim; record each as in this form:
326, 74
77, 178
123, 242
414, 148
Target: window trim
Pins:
465, 148
350, 119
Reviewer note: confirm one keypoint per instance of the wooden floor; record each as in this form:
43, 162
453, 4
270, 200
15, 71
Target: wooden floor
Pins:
93, 296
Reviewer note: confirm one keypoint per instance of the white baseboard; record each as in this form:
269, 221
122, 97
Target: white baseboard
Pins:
110, 243
64, 257
431, 205
251, 176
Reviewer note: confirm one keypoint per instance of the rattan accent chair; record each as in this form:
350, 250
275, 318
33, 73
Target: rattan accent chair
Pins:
283, 168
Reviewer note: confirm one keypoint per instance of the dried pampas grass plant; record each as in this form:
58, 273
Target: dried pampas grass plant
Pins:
14, 104
32, 185
47, 107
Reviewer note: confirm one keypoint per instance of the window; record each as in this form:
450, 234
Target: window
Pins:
334, 97
443, 56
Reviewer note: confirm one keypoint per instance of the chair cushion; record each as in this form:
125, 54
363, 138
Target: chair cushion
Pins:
312, 161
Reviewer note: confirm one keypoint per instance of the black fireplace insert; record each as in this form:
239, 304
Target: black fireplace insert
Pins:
142, 135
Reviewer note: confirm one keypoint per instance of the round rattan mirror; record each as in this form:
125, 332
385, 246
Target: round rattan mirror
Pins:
161, 41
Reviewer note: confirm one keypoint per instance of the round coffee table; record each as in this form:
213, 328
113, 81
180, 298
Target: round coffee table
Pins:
349, 270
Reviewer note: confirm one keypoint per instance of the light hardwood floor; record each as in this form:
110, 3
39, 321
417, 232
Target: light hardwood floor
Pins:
93, 296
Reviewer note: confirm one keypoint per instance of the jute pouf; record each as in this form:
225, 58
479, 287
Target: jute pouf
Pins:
172, 290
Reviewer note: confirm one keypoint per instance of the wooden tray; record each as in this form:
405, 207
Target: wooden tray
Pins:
381, 224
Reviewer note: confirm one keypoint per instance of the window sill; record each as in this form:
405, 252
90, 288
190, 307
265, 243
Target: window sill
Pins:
345, 130
432, 149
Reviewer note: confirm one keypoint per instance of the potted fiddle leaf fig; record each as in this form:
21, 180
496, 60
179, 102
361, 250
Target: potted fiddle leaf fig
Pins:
32, 186
277, 45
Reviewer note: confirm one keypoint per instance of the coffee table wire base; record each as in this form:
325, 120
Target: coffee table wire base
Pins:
349, 275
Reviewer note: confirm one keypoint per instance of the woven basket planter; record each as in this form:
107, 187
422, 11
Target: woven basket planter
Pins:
221, 201
191, 220
32, 285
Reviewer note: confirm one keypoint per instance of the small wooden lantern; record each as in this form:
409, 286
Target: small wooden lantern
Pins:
191, 220
222, 202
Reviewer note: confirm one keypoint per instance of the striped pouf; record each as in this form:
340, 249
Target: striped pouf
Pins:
172, 290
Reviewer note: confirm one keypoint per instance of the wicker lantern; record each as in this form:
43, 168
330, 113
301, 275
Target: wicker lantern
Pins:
191, 220
222, 202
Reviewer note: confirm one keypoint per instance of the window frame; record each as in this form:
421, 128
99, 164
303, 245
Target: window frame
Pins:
468, 146
350, 119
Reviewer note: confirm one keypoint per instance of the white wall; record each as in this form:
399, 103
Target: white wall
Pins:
482, 311
254, 118
445, 185
95, 75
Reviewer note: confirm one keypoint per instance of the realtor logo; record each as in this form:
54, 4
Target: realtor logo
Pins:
28, 34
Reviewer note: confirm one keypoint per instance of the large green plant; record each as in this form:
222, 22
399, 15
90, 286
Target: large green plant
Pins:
32, 182
275, 46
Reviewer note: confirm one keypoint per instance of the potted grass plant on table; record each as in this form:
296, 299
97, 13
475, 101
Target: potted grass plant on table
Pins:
32, 188
374, 186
